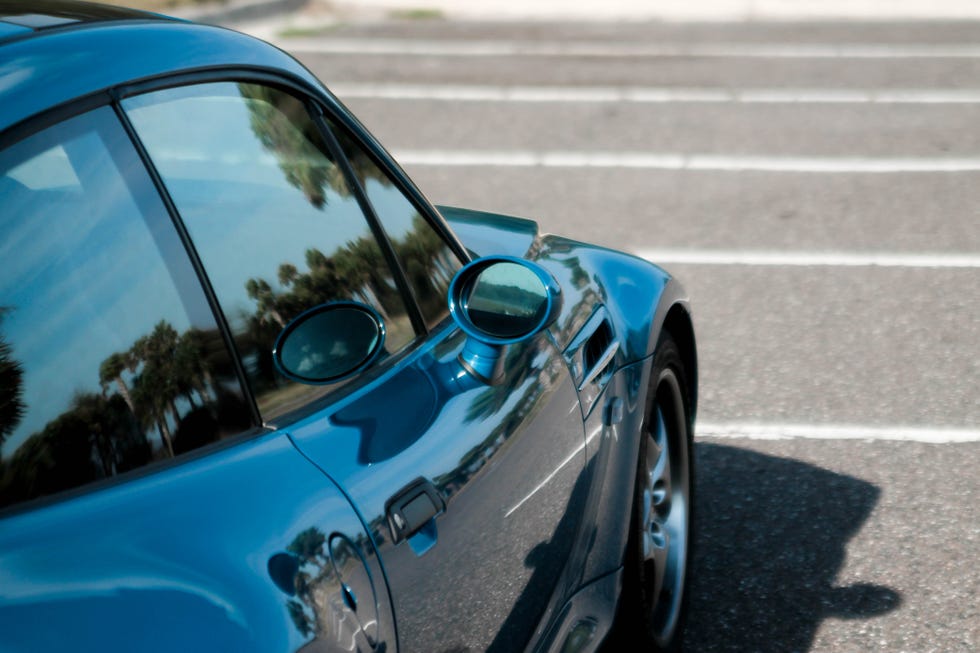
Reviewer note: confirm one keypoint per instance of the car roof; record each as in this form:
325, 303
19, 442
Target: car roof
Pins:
19, 19
53, 53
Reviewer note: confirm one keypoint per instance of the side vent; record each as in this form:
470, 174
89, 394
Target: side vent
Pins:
598, 354
591, 357
596, 348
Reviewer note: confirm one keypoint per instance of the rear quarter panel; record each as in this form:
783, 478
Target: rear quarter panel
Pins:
179, 560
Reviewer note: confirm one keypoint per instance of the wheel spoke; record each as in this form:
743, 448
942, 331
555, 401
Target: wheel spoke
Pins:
657, 501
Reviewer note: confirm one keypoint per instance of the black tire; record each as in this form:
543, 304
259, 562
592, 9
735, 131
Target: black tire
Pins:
654, 602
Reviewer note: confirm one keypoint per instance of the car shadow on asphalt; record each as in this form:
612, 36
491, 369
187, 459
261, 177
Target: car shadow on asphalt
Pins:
771, 538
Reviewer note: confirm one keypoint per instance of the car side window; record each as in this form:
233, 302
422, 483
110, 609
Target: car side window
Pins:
110, 357
427, 259
274, 221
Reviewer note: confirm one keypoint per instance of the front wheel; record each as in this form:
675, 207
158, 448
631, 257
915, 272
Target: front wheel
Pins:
654, 599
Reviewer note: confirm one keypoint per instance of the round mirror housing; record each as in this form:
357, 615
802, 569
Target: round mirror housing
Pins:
329, 342
500, 300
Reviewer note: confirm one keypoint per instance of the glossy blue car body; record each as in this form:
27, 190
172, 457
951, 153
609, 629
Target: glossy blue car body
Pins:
535, 474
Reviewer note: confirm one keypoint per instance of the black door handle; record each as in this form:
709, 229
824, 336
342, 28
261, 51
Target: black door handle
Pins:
412, 508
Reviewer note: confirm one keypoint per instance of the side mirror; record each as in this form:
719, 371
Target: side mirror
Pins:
329, 342
497, 301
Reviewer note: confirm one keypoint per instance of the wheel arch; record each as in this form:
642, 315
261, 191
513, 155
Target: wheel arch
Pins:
679, 324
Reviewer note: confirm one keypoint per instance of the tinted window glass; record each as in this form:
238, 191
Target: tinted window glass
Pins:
109, 354
427, 259
273, 219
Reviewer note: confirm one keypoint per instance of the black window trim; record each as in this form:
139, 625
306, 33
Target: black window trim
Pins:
387, 249
351, 126
51, 117
191, 251
401, 182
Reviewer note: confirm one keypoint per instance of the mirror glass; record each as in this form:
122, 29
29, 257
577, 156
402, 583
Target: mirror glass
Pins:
328, 342
506, 300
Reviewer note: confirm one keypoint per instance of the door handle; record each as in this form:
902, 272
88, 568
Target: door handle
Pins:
411, 514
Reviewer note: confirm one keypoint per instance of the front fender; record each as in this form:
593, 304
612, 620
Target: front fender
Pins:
637, 294
639, 300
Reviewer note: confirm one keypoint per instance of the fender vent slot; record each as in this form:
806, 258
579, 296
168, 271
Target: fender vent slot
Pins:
598, 353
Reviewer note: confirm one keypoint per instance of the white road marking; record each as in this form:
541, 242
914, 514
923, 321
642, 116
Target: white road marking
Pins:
773, 431
495, 48
847, 96
808, 259
678, 161
766, 431
649, 95
572, 456
754, 11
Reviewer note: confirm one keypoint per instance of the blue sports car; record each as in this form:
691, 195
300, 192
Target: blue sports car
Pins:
258, 394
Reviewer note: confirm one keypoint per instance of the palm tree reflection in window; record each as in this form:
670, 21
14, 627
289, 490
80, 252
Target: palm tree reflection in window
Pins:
11, 391
427, 260
283, 127
166, 381
356, 271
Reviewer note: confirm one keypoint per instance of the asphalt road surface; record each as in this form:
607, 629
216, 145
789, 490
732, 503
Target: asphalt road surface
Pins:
816, 187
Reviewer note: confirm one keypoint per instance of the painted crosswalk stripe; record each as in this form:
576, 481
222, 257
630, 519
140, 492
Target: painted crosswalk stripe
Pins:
775, 431
649, 95
495, 48
680, 161
808, 259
